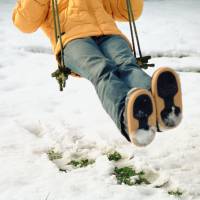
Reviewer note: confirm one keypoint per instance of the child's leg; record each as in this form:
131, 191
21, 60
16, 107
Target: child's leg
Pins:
166, 86
118, 50
84, 57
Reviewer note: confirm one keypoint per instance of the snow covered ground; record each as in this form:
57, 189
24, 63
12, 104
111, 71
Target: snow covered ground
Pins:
35, 117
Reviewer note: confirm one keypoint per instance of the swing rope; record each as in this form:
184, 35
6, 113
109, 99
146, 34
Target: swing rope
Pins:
131, 28
142, 61
62, 73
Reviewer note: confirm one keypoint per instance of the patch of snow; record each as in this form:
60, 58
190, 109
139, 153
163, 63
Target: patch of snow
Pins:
172, 119
143, 137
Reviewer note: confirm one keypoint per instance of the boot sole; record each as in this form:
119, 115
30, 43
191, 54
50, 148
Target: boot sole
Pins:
166, 90
140, 117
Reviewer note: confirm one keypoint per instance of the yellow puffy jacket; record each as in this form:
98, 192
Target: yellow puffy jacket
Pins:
79, 18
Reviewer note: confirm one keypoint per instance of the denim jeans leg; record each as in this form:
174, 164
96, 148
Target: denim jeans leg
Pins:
84, 57
117, 49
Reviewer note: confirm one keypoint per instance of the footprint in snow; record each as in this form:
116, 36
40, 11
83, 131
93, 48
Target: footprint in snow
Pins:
36, 128
80, 155
36, 49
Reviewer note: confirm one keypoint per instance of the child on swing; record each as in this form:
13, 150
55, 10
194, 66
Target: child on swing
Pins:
97, 50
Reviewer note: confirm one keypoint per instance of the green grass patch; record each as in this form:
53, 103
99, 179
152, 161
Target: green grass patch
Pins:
81, 163
53, 155
114, 156
176, 193
129, 176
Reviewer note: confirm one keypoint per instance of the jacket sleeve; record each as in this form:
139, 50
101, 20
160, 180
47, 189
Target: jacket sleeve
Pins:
118, 9
28, 15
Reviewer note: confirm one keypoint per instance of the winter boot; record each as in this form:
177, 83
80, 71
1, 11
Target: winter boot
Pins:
166, 90
140, 117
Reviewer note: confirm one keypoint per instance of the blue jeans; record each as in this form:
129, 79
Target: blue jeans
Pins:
108, 62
